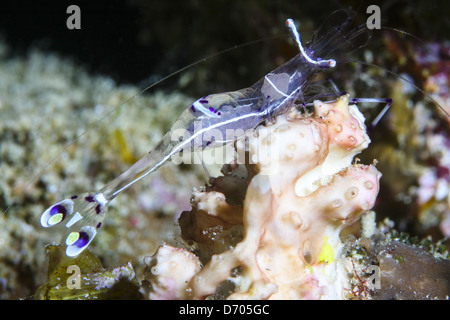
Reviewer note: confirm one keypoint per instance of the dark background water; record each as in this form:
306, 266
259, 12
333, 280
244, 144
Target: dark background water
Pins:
139, 41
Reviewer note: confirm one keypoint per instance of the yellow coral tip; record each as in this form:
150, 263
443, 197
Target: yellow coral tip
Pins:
344, 97
327, 254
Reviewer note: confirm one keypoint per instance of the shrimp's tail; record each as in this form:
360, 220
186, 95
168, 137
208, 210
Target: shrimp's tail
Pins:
81, 216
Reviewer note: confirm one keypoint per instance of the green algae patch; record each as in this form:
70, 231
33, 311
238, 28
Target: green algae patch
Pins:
84, 278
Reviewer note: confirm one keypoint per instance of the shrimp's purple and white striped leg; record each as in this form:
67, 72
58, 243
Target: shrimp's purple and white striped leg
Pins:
386, 101
81, 215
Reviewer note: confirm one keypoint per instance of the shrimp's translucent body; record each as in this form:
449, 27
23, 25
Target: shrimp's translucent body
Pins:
275, 93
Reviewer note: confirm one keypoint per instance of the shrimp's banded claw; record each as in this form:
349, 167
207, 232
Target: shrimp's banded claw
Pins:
82, 215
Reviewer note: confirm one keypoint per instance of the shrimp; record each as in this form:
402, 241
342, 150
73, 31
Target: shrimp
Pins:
82, 215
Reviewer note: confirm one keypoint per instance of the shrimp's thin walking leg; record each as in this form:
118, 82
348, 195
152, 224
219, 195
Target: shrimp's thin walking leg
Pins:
334, 86
206, 170
387, 101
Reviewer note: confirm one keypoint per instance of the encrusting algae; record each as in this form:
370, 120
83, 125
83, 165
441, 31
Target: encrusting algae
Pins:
84, 278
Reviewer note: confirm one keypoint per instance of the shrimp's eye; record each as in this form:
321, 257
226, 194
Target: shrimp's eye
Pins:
56, 213
78, 241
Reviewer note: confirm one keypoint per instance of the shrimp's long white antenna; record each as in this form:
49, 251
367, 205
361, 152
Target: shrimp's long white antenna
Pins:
330, 63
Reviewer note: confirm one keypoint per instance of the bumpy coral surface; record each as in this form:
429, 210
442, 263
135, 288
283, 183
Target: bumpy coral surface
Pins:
280, 241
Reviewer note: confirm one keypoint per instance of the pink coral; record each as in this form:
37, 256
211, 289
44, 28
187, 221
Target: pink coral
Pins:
168, 272
302, 189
